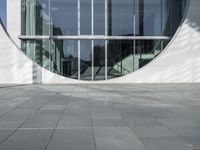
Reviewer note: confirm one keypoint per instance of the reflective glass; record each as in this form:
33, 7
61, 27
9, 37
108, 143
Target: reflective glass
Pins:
38, 50
175, 9
36, 18
124, 18
120, 58
145, 51
165, 17
148, 17
85, 17
3, 12
64, 17
99, 17
120, 17
70, 58
85, 60
99, 60
65, 57
56, 54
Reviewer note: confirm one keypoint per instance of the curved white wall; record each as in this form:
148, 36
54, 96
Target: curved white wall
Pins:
178, 63
14, 67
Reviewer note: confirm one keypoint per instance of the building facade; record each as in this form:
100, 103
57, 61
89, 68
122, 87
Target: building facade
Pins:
108, 41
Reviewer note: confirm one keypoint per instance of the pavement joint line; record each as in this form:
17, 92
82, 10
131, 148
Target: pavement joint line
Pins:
11, 98
14, 108
7, 92
73, 128
54, 130
133, 132
13, 86
178, 135
139, 138
93, 129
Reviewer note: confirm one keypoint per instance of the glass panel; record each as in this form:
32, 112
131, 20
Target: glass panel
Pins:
65, 57
148, 17
56, 55
99, 17
99, 60
175, 9
85, 60
64, 17
23, 17
165, 18
3, 11
70, 58
36, 17
85, 17
120, 17
38, 50
120, 58
145, 51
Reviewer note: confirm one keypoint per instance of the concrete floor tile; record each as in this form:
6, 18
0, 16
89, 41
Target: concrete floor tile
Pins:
72, 139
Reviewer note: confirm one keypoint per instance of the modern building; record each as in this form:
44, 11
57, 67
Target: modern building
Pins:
101, 41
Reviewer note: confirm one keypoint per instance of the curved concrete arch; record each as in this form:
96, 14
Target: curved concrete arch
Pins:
178, 63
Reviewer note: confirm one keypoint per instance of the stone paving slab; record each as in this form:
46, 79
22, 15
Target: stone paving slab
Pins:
100, 117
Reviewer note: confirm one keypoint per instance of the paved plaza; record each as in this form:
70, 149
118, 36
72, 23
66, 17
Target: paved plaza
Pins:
100, 117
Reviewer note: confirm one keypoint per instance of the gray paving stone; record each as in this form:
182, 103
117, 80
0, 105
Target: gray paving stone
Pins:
27, 140
42, 120
167, 143
102, 117
4, 134
194, 140
109, 122
117, 139
74, 122
105, 115
72, 139
156, 131
184, 127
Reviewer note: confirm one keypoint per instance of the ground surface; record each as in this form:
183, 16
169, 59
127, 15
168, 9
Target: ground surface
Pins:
100, 117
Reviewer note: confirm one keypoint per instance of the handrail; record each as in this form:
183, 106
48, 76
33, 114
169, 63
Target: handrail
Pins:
154, 49
125, 56
116, 63
121, 67
118, 56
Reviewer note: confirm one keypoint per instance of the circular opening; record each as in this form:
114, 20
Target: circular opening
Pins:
97, 40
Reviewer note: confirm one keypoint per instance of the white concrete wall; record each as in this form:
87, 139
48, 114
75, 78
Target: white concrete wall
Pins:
178, 63
14, 19
14, 66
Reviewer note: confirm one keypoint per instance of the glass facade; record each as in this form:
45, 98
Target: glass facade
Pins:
99, 60
35, 17
3, 12
97, 40
99, 17
120, 17
64, 16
